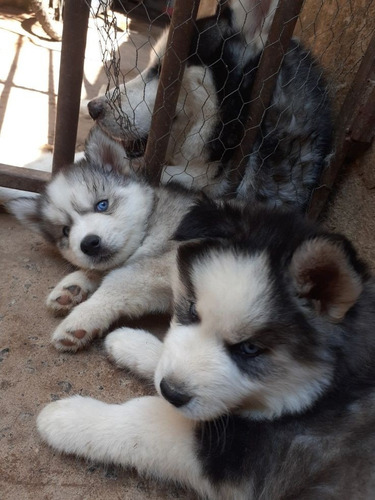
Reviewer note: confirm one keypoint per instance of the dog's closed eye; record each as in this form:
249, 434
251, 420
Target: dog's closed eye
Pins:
193, 314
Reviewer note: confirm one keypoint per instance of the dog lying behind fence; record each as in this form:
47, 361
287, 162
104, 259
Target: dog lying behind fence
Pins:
293, 143
265, 378
117, 230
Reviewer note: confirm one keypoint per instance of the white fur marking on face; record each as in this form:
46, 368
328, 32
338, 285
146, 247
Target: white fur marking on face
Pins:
119, 233
193, 358
233, 300
232, 291
60, 193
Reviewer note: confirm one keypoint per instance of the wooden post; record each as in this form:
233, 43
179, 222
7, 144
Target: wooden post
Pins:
177, 51
355, 128
76, 16
23, 178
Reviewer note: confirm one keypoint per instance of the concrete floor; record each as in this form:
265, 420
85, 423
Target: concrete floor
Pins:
32, 373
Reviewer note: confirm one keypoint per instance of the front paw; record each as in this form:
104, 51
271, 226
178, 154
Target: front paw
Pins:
62, 300
71, 291
137, 350
77, 330
62, 424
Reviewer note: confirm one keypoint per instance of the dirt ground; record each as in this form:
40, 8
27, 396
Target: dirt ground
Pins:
32, 372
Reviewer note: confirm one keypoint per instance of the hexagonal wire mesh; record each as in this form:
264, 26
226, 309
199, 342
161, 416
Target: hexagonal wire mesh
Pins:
226, 135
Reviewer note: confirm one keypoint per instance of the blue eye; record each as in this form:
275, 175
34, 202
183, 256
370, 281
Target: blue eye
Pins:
102, 206
248, 349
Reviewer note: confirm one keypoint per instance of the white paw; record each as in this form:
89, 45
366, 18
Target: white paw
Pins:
72, 290
76, 331
63, 423
136, 350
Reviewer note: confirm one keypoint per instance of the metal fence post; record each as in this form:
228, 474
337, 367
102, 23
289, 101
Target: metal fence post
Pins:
177, 51
75, 23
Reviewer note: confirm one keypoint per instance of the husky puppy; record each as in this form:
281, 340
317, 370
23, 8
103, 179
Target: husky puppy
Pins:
291, 149
266, 378
116, 230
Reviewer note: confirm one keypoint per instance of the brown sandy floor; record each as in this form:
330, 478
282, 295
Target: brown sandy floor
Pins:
32, 373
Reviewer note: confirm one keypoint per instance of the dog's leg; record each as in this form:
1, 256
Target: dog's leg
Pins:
146, 433
72, 290
132, 291
137, 350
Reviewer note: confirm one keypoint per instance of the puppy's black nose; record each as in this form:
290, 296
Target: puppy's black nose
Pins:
90, 245
172, 394
95, 108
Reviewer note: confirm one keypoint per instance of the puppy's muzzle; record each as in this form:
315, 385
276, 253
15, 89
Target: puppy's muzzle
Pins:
96, 108
91, 245
174, 394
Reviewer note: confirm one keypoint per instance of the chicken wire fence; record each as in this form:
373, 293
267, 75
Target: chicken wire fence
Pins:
336, 34
254, 120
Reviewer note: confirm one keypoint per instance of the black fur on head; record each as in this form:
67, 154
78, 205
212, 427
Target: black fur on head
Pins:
209, 219
324, 268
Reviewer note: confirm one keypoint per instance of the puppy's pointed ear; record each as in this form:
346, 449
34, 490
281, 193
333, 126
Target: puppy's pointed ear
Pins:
207, 219
27, 211
253, 19
326, 271
103, 151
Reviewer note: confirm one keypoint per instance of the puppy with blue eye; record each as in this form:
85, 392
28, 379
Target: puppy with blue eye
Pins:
116, 230
266, 378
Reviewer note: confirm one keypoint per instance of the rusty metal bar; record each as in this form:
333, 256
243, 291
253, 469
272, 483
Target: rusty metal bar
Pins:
177, 50
22, 178
281, 31
76, 16
355, 128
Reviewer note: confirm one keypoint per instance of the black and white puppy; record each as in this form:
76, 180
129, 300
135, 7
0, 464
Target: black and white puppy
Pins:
266, 378
214, 104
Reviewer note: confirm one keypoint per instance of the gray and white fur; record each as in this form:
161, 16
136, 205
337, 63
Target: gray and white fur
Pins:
266, 378
294, 141
116, 230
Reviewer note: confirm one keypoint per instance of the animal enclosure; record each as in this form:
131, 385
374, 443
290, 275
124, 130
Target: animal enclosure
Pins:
339, 36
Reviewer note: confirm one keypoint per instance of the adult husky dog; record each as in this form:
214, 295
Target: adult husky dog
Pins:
266, 379
213, 107
117, 230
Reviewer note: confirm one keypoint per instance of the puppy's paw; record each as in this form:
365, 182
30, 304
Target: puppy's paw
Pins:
71, 291
62, 300
62, 424
137, 350
78, 329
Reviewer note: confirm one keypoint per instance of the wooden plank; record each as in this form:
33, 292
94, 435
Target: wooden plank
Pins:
76, 17
355, 128
25, 179
178, 46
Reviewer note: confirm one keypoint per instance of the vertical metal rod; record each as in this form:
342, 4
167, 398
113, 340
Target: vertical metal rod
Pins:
76, 17
281, 31
355, 128
177, 51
